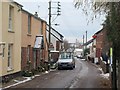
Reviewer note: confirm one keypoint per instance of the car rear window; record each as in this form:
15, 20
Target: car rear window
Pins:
65, 55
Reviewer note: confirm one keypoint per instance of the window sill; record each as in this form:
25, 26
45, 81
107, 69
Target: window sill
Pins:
1, 53
11, 31
10, 69
29, 34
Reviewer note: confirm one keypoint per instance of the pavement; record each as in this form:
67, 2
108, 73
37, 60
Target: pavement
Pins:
20, 80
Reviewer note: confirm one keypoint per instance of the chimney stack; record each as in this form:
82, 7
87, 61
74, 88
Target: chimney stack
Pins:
36, 14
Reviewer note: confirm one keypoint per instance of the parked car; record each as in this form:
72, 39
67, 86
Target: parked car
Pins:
66, 60
80, 57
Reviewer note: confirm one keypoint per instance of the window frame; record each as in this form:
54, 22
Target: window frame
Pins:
10, 56
29, 24
28, 52
11, 18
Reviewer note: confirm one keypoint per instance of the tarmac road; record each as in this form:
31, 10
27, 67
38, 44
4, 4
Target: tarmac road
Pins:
85, 75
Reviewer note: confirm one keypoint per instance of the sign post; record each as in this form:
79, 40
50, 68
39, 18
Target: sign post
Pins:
111, 59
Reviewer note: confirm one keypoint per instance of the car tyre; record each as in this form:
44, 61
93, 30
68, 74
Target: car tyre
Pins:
74, 66
59, 68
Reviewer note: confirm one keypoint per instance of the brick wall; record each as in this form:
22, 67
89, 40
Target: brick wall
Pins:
35, 62
57, 45
99, 43
23, 57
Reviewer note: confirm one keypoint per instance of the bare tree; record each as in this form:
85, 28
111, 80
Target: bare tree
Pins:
112, 23
66, 44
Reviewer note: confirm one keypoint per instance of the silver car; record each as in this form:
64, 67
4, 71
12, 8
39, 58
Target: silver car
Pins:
66, 60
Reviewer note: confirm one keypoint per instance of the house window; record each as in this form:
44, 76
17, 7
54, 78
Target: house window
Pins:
10, 56
1, 50
41, 28
28, 52
29, 24
11, 15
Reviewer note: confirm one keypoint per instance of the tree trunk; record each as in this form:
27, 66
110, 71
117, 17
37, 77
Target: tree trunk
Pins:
114, 78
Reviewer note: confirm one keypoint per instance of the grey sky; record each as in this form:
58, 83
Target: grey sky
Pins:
73, 22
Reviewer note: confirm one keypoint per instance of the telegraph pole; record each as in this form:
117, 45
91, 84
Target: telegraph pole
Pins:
83, 39
86, 40
50, 16
49, 22
83, 45
49, 34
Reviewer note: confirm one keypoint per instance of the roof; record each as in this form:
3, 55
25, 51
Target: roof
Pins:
55, 36
98, 31
87, 43
16, 3
33, 15
56, 31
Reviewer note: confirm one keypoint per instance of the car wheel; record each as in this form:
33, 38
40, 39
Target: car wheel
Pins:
74, 66
59, 68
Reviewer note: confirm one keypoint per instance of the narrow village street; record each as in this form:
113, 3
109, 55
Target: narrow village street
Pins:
60, 44
85, 75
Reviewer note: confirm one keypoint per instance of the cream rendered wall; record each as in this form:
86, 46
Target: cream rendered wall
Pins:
45, 41
35, 29
29, 39
0, 36
0, 21
11, 37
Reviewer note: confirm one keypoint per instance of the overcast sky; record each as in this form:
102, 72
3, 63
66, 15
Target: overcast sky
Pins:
73, 22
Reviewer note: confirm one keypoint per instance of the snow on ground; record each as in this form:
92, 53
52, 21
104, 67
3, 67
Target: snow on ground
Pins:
19, 82
100, 69
106, 76
27, 79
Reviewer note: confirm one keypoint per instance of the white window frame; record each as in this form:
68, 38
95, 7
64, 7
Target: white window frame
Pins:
2, 49
10, 56
29, 24
11, 13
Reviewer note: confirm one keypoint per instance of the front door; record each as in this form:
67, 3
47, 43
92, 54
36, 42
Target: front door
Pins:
35, 59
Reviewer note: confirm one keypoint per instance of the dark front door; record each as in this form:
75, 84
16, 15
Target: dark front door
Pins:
35, 59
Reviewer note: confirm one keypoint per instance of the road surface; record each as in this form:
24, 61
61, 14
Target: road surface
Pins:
85, 75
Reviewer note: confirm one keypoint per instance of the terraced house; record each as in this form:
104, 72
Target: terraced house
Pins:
24, 41
10, 39
34, 42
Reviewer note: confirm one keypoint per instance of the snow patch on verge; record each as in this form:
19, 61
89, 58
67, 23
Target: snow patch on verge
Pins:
100, 69
27, 79
19, 82
46, 72
106, 76
37, 75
